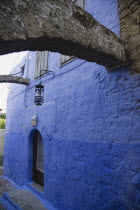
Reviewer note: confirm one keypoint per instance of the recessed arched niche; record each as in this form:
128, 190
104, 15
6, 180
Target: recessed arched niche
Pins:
37, 158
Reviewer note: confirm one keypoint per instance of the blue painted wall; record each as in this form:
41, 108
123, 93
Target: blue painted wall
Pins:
90, 128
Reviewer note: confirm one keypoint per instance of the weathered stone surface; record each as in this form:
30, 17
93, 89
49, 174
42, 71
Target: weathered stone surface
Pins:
130, 30
59, 26
26, 200
5, 186
14, 79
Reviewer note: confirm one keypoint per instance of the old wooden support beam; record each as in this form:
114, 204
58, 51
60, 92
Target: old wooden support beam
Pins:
14, 79
58, 26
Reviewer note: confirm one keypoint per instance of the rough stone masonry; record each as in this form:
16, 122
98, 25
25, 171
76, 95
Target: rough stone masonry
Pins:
130, 30
59, 26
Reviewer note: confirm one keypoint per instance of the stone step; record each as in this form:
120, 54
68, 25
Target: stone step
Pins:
14, 197
23, 199
6, 185
5, 205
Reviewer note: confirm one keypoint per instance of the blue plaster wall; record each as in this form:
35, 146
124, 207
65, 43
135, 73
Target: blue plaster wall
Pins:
90, 128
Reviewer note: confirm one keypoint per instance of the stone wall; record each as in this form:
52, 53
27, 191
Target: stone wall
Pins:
130, 30
72, 31
2, 132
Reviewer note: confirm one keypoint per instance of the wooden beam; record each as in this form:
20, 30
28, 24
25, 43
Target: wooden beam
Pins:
14, 79
58, 26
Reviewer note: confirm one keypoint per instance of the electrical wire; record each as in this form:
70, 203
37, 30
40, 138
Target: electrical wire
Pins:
16, 73
15, 61
45, 80
21, 68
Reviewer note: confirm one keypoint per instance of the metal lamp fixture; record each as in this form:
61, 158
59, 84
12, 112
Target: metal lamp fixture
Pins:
39, 90
39, 99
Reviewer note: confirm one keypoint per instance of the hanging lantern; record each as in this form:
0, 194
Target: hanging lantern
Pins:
39, 99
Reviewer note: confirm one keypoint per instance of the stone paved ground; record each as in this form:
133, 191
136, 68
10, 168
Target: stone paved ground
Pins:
4, 184
4, 187
26, 200
23, 198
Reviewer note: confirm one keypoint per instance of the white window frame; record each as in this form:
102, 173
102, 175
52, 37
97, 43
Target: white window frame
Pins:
41, 63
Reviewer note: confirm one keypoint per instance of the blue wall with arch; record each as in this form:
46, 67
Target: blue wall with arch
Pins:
30, 152
90, 128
